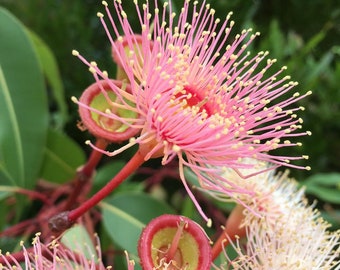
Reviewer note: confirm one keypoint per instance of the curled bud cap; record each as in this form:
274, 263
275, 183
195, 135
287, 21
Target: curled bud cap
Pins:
106, 116
174, 242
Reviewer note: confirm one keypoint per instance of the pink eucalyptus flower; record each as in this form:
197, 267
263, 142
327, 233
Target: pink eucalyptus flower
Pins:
53, 256
201, 96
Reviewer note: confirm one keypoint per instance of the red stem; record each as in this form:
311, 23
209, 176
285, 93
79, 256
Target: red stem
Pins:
94, 158
232, 229
134, 163
15, 229
85, 172
33, 194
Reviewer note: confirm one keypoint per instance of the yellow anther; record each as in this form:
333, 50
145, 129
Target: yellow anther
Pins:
75, 53
74, 99
176, 148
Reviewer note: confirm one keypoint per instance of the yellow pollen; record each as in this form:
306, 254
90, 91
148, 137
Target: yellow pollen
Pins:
75, 53
92, 70
104, 3
278, 109
176, 148
74, 99
100, 15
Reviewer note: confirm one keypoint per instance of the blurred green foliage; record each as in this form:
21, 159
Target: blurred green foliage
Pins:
301, 34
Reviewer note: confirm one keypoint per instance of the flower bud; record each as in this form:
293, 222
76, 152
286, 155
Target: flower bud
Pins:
174, 242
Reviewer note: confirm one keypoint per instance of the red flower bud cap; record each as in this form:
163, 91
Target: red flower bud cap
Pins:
104, 103
121, 49
174, 242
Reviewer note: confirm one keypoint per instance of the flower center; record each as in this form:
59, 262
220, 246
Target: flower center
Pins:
191, 98
174, 263
107, 123
175, 249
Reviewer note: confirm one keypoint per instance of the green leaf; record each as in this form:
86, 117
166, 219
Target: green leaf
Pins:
276, 40
327, 194
78, 240
125, 215
49, 66
325, 186
23, 106
313, 42
62, 158
6, 191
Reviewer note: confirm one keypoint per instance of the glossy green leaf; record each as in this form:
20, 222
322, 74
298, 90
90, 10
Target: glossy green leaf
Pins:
327, 194
276, 39
23, 105
50, 68
6, 191
79, 240
125, 215
325, 186
62, 158
324, 179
